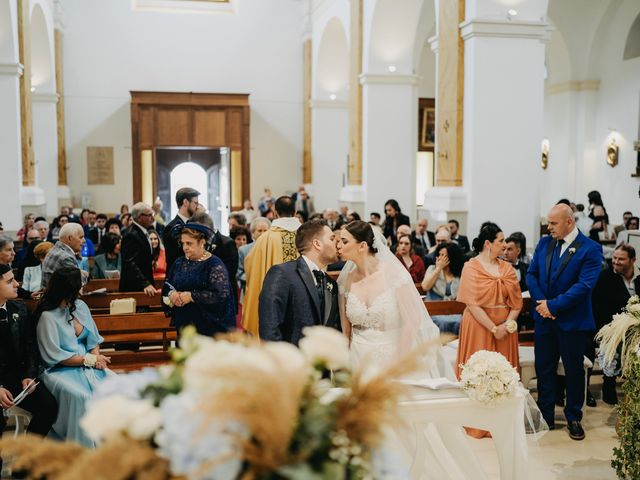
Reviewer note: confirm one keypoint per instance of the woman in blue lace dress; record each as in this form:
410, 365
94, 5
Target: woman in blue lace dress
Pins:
197, 289
69, 345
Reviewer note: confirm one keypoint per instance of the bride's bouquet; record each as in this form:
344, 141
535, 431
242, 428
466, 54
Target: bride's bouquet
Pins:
234, 408
489, 378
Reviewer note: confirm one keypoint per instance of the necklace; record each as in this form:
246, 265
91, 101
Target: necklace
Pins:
202, 257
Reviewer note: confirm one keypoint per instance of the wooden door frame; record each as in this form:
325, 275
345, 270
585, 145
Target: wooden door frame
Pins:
228, 102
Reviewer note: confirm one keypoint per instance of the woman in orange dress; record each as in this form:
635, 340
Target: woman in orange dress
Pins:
491, 291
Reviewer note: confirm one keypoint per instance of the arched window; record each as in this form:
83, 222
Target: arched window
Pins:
189, 174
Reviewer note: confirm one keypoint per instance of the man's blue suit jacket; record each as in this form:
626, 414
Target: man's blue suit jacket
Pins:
568, 287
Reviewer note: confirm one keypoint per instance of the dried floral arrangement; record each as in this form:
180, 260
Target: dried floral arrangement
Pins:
233, 408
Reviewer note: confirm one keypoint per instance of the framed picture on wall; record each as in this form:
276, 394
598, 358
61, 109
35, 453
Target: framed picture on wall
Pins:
426, 125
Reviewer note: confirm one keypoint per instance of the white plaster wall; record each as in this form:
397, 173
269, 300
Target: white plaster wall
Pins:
110, 50
579, 122
45, 149
330, 147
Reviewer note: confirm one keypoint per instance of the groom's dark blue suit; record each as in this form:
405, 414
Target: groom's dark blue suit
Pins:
566, 282
290, 301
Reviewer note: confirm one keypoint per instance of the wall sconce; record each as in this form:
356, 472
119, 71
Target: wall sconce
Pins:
544, 160
612, 152
511, 14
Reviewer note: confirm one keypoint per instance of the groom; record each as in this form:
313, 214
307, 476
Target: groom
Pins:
563, 273
298, 293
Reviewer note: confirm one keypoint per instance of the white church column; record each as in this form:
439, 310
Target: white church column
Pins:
45, 145
503, 119
330, 147
10, 144
389, 141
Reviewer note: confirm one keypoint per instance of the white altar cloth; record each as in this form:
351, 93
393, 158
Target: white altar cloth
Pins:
453, 407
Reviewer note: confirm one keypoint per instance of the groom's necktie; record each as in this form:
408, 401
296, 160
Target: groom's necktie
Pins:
320, 284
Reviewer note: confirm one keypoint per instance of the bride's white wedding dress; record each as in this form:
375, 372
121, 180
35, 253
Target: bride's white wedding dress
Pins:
388, 319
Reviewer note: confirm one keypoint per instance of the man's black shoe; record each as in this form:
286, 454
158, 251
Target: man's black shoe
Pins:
591, 402
575, 430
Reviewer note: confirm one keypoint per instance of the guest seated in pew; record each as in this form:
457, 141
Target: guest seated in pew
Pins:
7, 253
19, 360
412, 262
159, 262
24, 258
490, 290
441, 282
198, 286
32, 279
69, 345
110, 259
113, 225
65, 252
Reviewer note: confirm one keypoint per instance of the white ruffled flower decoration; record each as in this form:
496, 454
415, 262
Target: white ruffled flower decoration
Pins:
326, 345
489, 378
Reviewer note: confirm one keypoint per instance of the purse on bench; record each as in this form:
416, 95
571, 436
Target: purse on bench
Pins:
122, 305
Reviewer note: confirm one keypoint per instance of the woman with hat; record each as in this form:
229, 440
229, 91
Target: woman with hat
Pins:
197, 289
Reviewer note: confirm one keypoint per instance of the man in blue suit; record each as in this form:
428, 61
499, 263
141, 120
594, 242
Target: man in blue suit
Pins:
562, 275
298, 293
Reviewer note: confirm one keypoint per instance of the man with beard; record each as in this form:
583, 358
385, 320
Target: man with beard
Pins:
187, 201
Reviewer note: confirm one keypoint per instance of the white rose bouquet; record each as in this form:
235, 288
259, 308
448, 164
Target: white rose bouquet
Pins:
489, 378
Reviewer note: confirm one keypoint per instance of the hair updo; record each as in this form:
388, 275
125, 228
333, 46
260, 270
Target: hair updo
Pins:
362, 232
488, 231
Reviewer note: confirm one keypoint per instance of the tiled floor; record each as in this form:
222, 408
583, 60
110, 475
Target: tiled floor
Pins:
557, 457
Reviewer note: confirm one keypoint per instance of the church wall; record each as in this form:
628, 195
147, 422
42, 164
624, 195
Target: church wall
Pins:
110, 50
600, 99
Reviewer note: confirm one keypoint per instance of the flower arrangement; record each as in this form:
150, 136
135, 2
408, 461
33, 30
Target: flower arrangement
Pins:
233, 408
489, 378
621, 338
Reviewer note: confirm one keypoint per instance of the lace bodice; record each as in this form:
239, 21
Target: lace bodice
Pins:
382, 314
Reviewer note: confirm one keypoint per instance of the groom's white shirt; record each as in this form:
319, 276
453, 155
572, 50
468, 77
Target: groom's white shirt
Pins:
312, 266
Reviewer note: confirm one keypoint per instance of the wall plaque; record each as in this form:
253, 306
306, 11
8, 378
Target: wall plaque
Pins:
100, 166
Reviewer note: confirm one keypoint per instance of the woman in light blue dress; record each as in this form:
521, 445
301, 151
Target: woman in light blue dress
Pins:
69, 344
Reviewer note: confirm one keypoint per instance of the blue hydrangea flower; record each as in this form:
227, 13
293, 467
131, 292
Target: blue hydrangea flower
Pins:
188, 443
129, 385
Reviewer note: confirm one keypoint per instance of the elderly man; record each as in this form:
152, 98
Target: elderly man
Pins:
65, 252
43, 229
563, 273
7, 253
137, 253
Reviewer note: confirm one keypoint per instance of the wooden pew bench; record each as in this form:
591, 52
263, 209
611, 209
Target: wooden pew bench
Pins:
111, 284
152, 331
100, 303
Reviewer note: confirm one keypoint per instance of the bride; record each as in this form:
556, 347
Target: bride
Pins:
384, 317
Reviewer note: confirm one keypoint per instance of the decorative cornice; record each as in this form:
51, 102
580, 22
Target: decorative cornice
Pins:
479, 27
576, 86
315, 103
58, 15
11, 69
45, 97
389, 79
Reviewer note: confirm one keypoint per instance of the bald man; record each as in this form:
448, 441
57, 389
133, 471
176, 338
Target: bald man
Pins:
563, 273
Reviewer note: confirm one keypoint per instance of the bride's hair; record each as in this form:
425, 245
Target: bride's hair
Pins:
362, 232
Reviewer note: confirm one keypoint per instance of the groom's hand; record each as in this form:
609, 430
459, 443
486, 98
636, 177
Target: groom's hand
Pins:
543, 310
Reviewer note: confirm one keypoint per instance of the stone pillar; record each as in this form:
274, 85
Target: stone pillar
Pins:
503, 119
330, 124
45, 145
389, 141
10, 143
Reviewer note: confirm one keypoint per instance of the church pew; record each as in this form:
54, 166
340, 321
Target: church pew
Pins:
525, 337
111, 284
152, 330
100, 303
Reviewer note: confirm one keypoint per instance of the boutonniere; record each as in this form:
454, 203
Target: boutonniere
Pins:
15, 317
572, 250
330, 287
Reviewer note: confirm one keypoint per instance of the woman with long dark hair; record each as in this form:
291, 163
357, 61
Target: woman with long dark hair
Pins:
110, 259
393, 219
442, 280
69, 345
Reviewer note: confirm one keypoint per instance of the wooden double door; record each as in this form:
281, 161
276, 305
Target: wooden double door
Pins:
170, 120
